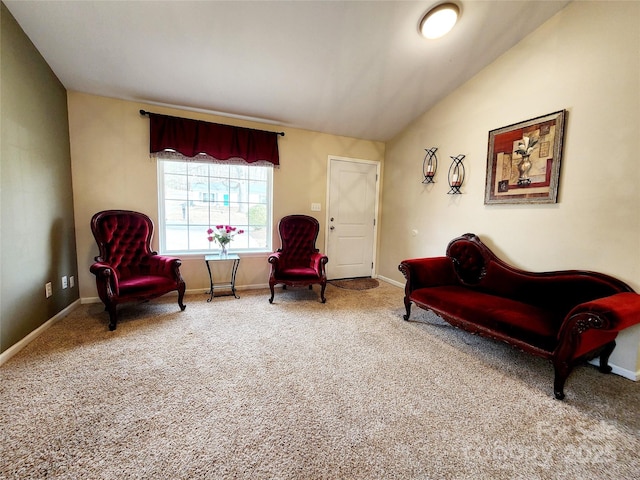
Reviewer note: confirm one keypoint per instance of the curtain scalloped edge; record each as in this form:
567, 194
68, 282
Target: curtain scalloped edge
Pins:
204, 158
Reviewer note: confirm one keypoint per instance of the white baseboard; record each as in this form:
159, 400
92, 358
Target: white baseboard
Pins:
392, 282
258, 286
623, 372
85, 300
16, 347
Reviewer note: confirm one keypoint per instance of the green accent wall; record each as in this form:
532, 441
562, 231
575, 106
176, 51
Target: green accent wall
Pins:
37, 234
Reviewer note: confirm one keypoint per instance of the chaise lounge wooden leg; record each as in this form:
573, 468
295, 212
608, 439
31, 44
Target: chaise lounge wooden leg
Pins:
562, 373
407, 306
604, 357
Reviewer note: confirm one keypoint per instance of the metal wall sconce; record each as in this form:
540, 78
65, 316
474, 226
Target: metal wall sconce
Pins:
429, 165
456, 175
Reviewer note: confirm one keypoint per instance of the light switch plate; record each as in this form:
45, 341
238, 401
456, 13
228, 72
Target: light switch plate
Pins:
315, 207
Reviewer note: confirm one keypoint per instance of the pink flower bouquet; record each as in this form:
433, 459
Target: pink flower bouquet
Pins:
223, 234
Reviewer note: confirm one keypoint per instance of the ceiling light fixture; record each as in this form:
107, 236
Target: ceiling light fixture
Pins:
439, 20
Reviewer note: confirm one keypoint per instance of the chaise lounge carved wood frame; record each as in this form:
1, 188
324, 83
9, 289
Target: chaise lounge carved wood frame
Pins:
567, 317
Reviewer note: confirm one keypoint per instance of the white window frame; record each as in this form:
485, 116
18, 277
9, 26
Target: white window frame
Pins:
213, 247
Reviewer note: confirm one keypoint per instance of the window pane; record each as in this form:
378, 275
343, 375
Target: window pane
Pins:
219, 215
176, 238
240, 241
174, 167
258, 174
238, 172
198, 168
198, 188
258, 192
258, 216
258, 238
237, 214
175, 212
198, 238
199, 214
218, 170
175, 187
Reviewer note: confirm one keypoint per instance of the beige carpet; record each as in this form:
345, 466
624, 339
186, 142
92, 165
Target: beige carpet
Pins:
301, 390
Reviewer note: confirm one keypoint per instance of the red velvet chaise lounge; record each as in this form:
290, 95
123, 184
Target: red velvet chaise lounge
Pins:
567, 316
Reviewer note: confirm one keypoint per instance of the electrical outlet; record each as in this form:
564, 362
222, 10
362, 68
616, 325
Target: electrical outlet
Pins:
72, 281
47, 289
65, 282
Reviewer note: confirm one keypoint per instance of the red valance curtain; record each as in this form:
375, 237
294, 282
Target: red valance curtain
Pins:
191, 138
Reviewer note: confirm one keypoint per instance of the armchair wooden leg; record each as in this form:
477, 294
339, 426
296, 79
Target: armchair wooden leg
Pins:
181, 297
324, 285
113, 317
272, 293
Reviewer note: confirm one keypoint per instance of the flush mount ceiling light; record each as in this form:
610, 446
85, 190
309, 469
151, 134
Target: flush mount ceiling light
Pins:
439, 20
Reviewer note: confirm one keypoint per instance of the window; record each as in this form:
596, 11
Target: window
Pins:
194, 196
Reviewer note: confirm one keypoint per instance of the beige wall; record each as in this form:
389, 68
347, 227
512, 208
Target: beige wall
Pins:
37, 237
586, 60
112, 169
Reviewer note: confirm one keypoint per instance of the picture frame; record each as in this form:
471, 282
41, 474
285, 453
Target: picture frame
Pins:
523, 161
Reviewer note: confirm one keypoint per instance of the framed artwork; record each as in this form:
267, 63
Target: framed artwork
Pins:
523, 161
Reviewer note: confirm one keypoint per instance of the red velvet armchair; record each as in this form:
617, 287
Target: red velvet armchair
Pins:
127, 270
298, 262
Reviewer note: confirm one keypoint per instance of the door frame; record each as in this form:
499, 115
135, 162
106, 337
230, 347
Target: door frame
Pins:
374, 252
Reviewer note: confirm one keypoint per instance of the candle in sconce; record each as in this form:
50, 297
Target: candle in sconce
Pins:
454, 179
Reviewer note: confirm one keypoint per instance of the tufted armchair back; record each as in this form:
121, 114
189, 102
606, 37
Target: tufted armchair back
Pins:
124, 240
298, 234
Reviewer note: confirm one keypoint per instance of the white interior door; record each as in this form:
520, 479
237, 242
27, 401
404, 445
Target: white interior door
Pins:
351, 217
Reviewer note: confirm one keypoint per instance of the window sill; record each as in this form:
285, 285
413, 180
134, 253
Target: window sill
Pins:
200, 255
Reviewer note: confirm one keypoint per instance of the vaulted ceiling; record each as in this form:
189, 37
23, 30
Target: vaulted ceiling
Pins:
353, 68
